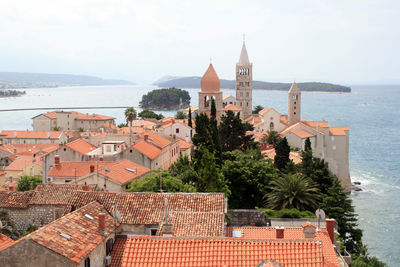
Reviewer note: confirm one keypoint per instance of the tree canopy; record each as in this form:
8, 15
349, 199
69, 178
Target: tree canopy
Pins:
150, 115
130, 115
171, 98
26, 183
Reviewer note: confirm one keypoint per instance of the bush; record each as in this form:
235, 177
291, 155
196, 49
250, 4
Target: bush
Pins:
288, 213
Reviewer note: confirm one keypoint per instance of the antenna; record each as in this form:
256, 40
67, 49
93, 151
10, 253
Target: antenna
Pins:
244, 37
320, 215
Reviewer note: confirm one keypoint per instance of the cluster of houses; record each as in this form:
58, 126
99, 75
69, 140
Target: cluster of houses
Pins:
81, 226
86, 218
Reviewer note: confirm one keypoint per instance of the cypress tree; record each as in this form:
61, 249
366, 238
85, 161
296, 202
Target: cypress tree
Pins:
190, 118
282, 152
307, 145
215, 134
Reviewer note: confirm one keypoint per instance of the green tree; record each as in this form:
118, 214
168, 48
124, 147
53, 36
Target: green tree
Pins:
30, 229
215, 133
150, 115
180, 115
293, 191
307, 145
273, 138
337, 204
122, 125
203, 134
257, 109
232, 133
210, 178
282, 153
26, 183
130, 115
171, 98
183, 169
190, 118
8, 226
248, 175
151, 183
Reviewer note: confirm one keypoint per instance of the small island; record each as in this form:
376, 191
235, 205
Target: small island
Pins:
11, 93
165, 99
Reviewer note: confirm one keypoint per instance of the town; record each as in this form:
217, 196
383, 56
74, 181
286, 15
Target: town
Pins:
74, 186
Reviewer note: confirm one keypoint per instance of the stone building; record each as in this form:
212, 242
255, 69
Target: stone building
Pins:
244, 83
294, 104
33, 137
83, 237
69, 120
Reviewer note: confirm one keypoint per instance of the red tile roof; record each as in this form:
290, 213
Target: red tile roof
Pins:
32, 134
22, 162
83, 232
338, 130
265, 110
55, 194
156, 139
79, 116
190, 212
5, 241
12, 199
183, 144
118, 251
81, 146
173, 251
31, 148
301, 133
314, 124
122, 172
147, 149
263, 233
232, 107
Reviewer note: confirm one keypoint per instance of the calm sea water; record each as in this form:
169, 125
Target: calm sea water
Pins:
371, 112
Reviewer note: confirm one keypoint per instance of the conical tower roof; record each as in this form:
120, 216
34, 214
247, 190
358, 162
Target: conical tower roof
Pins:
294, 88
244, 58
210, 81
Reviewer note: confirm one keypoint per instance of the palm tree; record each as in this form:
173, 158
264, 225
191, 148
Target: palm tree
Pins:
130, 115
273, 138
292, 191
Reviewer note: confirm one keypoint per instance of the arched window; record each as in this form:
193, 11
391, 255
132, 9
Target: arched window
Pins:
87, 262
271, 125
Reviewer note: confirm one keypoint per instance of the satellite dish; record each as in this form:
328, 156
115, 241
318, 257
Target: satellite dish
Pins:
320, 213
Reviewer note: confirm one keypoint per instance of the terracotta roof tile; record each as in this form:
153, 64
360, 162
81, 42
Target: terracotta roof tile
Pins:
81, 146
265, 110
79, 116
12, 199
156, 139
314, 124
83, 232
32, 134
338, 130
5, 241
175, 251
22, 162
188, 210
55, 194
261, 233
76, 168
147, 149
232, 107
301, 133
31, 148
183, 144
118, 251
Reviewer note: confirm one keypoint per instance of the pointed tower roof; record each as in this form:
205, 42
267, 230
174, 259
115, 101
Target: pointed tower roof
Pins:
294, 88
210, 81
244, 58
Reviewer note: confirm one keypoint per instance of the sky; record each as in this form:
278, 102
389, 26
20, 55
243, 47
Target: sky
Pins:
340, 41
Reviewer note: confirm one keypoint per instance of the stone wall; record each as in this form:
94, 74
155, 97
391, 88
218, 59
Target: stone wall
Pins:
36, 215
246, 218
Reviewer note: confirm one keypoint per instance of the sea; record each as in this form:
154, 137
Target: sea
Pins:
371, 112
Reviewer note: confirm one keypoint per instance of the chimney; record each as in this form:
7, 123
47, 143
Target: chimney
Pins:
91, 168
57, 160
85, 187
330, 227
48, 134
146, 136
11, 188
174, 136
102, 222
173, 121
101, 159
280, 232
308, 230
167, 228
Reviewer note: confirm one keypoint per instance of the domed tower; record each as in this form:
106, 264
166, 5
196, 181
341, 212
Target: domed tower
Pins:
244, 83
210, 89
294, 104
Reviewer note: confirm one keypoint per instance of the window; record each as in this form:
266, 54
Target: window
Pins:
241, 93
247, 104
240, 103
295, 102
271, 125
294, 107
87, 262
109, 246
177, 130
240, 83
130, 151
153, 231
247, 93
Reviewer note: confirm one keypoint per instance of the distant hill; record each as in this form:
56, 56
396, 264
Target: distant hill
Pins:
194, 82
26, 80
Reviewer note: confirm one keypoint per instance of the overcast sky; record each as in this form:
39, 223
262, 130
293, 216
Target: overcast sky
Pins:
338, 41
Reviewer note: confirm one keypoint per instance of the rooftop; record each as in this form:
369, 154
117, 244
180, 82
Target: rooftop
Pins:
81, 146
32, 134
147, 149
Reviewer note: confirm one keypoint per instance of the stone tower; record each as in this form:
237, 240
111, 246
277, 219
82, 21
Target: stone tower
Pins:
210, 88
294, 104
244, 83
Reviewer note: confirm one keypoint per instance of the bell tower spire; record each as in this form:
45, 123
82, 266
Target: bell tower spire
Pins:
294, 104
244, 82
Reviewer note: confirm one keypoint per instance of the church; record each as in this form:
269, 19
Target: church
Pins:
327, 142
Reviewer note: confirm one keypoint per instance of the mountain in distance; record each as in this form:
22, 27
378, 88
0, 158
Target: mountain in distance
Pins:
194, 82
26, 80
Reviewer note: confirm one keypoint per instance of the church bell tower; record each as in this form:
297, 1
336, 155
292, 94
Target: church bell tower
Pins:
294, 104
244, 83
